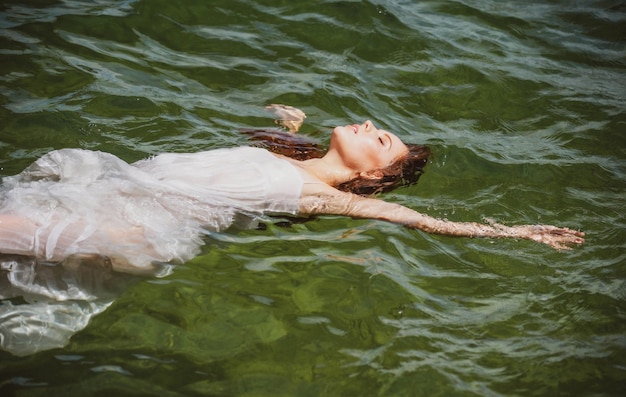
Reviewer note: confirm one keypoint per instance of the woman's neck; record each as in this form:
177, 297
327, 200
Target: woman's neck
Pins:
329, 169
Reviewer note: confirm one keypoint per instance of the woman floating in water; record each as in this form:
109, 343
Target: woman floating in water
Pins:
73, 205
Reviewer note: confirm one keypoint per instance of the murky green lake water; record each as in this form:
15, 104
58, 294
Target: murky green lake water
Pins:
523, 105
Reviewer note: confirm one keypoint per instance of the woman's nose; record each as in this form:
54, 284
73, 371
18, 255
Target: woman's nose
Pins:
369, 126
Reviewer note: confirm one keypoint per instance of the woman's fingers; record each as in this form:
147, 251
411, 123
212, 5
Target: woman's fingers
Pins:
287, 116
557, 237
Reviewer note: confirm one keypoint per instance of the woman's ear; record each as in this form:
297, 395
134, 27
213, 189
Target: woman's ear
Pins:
375, 174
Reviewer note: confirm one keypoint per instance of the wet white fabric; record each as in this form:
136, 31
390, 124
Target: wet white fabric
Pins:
73, 206
76, 201
28, 328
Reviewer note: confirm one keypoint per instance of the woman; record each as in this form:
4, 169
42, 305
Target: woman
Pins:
94, 214
74, 202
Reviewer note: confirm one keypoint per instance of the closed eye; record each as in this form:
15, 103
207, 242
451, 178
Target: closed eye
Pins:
386, 142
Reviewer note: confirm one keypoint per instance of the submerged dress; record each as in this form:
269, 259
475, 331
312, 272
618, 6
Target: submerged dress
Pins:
75, 218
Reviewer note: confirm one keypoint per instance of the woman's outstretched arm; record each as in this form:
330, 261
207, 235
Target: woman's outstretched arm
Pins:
330, 201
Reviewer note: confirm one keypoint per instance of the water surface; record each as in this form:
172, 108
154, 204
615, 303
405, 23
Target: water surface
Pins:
522, 104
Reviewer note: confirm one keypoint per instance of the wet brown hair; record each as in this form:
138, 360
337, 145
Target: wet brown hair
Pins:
404, 172
286, 144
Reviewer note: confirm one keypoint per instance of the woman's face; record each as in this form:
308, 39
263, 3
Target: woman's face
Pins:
365, 147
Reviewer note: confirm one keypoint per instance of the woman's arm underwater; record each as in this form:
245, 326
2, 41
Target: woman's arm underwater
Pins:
327, 200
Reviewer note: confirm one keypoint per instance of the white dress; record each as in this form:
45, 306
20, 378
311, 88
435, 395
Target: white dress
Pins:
72, 202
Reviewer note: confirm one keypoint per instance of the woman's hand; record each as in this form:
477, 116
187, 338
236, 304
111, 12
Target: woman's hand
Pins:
559, 238
287, 116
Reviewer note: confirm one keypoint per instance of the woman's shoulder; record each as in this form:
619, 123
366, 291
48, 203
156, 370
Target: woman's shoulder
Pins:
312, 186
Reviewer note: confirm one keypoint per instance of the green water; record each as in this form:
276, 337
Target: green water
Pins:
523, 105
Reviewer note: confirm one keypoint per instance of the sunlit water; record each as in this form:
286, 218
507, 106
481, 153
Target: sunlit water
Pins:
523, 105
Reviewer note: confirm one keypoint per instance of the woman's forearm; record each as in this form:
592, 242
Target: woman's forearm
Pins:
416, 220
461, 229
556, 237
